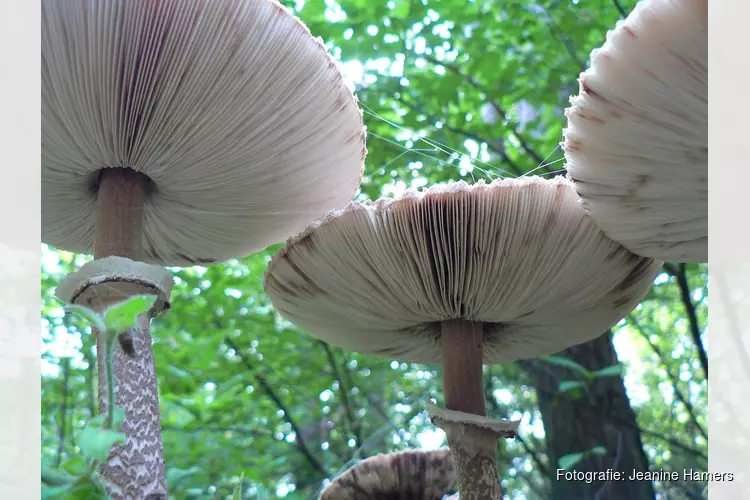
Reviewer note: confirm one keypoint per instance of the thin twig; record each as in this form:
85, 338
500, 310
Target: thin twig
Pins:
445, 126
631, 425
671, 269
496, 407
353, 424
378, 408
346, 371
498, 109
695, 329
620, 8
675, 379
388, 426
199, 428
463, 132
565, 42
261, 380
541, 467
677, 444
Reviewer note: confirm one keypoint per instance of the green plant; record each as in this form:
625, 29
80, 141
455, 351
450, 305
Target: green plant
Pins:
567, 462
77, 478
576, 388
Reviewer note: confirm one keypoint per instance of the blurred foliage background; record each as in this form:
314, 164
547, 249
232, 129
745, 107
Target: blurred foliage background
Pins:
451, 89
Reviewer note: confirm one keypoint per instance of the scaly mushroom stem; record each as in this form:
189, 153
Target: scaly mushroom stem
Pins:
135, 470
474, 448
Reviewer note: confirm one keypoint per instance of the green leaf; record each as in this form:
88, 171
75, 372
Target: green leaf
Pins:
237, 495
568, 461
123, 316
569, 385
565, 362
97, 422
610, 371
52, 477
92, 318
53, 491
598, 450
86, 489
96, 442
401, 10
75, 466
175, 475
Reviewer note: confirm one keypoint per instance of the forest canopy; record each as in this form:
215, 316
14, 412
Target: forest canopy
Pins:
451, 90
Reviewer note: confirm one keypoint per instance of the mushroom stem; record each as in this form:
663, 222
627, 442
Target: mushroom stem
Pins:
119, 213
474, 448
135, 470
463, 343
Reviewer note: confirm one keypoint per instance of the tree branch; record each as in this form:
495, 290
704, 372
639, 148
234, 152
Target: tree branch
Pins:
565, 42
377, 407
620, 8
346, 371
673, 442
353, 424
463, 132
200, 428
642, 430
261, 380
500, 111
688, 406
687, 301
670, 268
420, 109
496, 407
388, 426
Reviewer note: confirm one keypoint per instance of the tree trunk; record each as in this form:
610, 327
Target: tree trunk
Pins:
600, 416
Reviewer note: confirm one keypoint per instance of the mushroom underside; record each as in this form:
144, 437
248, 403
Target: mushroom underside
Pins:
518, 255
238, 115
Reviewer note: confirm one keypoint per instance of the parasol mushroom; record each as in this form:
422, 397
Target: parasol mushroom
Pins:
462, 275
636, 142
404, 475
178, 133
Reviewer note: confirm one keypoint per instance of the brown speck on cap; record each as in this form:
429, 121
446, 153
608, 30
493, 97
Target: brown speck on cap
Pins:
621, 301
642, 179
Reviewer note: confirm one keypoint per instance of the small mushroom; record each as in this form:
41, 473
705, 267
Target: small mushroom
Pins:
180, 133
636, 141
460, 275
404, 475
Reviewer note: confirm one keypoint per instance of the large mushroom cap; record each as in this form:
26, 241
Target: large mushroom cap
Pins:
404, 475
636, 142
518, 254
239, 117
